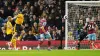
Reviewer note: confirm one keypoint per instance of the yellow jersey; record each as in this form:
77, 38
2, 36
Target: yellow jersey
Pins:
20, 19
9, 28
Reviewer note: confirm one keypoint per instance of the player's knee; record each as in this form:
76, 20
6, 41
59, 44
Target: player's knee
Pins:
41, 39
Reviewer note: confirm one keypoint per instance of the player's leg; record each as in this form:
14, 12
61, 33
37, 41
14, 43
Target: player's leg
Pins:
40, 41
14, 44
82, 35
49, 43
78, 45
13, 40
90, 39
93, 40
19, 39
48, 36
18, 30
20, 33
79, 40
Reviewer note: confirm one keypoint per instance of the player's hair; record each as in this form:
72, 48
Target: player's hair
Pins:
34, 23
9, 17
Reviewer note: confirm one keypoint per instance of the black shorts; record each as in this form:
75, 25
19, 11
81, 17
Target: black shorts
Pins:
18, 28
8, 37
82, 35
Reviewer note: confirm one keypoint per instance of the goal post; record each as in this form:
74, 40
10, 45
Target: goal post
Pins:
71, 19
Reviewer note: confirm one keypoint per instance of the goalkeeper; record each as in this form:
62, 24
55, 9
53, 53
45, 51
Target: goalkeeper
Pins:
82, 33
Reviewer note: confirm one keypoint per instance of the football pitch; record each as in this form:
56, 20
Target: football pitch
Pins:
50, 53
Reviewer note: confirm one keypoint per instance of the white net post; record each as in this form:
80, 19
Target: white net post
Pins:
66, 26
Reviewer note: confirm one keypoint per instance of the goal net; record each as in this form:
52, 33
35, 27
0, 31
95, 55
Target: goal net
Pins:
77, 12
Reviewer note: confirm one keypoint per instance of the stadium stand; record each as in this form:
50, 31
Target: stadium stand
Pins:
33, 10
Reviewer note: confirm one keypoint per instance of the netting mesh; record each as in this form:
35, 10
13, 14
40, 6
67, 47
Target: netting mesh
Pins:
81, 11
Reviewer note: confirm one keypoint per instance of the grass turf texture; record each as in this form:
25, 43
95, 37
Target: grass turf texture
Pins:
50, 53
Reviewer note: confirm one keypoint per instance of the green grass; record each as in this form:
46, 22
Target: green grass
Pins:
50, 53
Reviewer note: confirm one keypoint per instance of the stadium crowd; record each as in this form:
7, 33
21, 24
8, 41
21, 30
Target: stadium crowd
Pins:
33, 10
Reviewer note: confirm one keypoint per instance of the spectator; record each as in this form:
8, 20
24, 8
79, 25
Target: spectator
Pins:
13, 6
33, 20
2, 12
35, 30
1, 3
31, 10
9, 12
16, 11
4, 33
26, 19
36, 9
20, 5
58, 34
1, 22
40, 11
30, 36
26, 28
28, 5
1, 35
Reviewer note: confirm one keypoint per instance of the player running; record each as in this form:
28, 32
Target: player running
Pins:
44, 34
